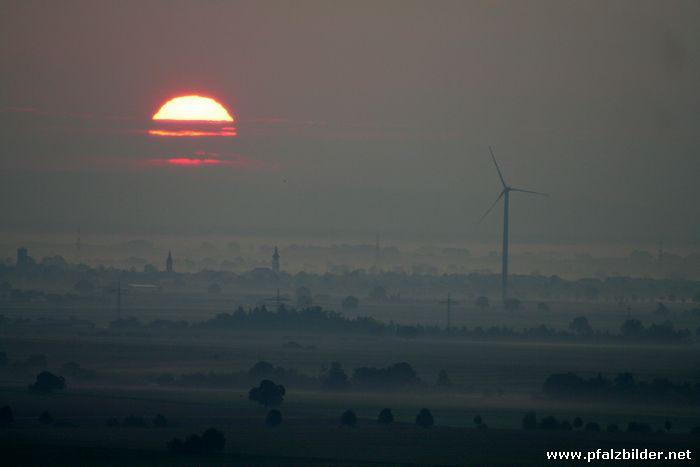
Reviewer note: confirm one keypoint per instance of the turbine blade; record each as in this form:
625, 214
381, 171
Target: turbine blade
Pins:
530, 191
492, 206
500, 175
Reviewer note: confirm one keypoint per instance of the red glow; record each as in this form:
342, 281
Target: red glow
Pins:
189, 162
228, 131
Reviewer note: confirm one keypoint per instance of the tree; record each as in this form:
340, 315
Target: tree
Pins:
581, 326
6, 415
668, 425
335, 379
273, 418
424, 419
214, 288
530, 421
482, 302
578, 423
267, 394
542, 307
632, 328
213, 440
512, 304
350, 303
385, 417
46, 418
612, 428
443, 380
349, 418
47, 382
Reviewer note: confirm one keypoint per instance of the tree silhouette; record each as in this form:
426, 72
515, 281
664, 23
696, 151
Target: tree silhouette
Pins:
581, 326
47, 382
349, 418
478, 420
385, 417
578, 423
424, 419
267, 394
273, 418
335, 379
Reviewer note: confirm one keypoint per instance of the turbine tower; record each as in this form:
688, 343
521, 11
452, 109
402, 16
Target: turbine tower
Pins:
505, 194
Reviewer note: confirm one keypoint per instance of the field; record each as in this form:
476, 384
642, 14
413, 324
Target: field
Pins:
498, 380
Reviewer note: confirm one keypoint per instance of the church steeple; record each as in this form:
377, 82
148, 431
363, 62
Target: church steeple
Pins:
169, 262
276, 261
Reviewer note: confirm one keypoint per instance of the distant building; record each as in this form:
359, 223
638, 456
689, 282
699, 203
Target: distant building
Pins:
22, 257
169, 262
276, 261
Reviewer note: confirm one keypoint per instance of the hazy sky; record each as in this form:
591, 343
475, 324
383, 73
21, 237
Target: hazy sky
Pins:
356, 117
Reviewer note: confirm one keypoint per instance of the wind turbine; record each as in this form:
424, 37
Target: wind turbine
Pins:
505, 194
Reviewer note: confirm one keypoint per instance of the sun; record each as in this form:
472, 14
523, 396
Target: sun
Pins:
193, 108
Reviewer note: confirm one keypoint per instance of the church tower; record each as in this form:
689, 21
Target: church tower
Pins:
276, 261
169, 262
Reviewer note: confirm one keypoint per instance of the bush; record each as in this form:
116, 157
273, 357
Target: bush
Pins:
348, 418
424, 419
273, 418
385, 417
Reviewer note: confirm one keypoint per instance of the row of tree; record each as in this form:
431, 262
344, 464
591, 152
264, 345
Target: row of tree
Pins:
622, 387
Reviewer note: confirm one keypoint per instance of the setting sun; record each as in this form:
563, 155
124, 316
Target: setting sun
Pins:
193, 108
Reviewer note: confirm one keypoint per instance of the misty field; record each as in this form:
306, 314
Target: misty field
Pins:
500, 381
